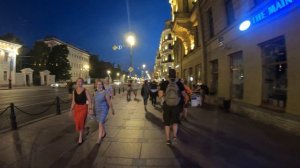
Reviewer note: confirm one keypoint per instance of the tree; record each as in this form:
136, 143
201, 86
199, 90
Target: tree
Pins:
94, 64
38, 60
58, 63
22, 60
10, 37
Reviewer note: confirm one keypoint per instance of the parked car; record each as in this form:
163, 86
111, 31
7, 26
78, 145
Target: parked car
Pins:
117, 82
58, 84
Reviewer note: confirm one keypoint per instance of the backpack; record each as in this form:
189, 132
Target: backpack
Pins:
172, 97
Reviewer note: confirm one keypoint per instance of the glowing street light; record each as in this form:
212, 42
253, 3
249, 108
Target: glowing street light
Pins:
130, 39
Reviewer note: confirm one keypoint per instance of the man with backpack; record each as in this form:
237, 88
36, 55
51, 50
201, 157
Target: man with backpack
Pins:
173, 92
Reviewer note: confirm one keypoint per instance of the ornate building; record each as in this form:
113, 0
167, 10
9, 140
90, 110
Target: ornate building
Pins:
157, 66
165, 55
78, 58
245, 55
188, 48
8, 54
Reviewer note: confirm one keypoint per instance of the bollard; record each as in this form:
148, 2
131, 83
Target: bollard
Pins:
58, 112
119, 90
13, 117
114, 91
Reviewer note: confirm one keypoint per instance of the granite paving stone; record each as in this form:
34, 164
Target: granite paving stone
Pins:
135, 138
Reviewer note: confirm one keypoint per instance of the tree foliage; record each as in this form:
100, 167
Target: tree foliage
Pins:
58, 63
98, 68
10, 37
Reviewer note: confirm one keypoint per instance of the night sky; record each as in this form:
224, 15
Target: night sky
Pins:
93, 25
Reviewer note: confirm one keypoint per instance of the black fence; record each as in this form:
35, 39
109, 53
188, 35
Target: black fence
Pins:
13, 115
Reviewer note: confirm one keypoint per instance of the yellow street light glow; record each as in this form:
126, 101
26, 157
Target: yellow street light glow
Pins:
118, 74
108, 72
86, 67
130, 40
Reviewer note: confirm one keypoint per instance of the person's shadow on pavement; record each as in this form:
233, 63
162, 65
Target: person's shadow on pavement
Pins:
89, 160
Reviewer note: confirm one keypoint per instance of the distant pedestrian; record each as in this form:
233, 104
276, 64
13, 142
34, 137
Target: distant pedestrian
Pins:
186, 99
153, 93
102, 104
108, 87
161, 92
135, 87
70, 86
129, 89
145, 91
81, 104
173, 91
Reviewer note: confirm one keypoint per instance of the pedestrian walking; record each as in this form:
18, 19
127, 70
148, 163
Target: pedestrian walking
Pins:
186, 99
102, 104
81, 104
153, 93
70, 86
108, 87
161, 92
173, 91
129, 89
145, 91
135, 87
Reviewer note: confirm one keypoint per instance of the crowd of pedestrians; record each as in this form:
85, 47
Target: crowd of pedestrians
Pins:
174, 96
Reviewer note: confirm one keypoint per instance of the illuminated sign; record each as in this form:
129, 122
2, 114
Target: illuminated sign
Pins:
271, 9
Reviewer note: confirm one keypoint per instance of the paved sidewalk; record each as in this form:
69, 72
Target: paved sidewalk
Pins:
135, 138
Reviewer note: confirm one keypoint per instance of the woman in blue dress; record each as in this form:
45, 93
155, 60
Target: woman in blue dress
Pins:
102, 105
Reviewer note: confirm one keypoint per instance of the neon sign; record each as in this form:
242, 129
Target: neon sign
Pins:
271, 9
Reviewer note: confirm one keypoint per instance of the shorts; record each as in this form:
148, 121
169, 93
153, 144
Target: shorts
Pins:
171, 114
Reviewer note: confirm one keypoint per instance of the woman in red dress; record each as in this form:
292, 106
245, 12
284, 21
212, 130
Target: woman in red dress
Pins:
81, 104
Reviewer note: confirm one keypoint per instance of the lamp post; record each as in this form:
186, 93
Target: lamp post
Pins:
144, 66
108, 73
130, 39
191, 81
86, 68
118, 75
10, 69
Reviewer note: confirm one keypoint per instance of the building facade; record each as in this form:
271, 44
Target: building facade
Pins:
248, 51
188, 47
8, 54
165, 55
78, 58
157, 67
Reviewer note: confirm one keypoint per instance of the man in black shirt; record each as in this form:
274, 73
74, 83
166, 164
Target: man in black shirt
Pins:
171, 112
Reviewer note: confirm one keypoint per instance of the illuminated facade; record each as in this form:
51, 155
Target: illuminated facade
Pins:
8, 54
246, 54
78, 58
157, 66
188, 51
165, 55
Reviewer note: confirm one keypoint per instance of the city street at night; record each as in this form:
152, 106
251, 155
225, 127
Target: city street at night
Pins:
135, 138
150, 84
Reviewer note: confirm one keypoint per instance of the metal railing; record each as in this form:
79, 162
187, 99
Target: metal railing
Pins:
17, 111
13, 108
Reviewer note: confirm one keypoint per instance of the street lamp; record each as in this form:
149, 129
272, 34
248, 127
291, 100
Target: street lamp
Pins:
108, 73
86, 68
191, 81
144, 66
130, 39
